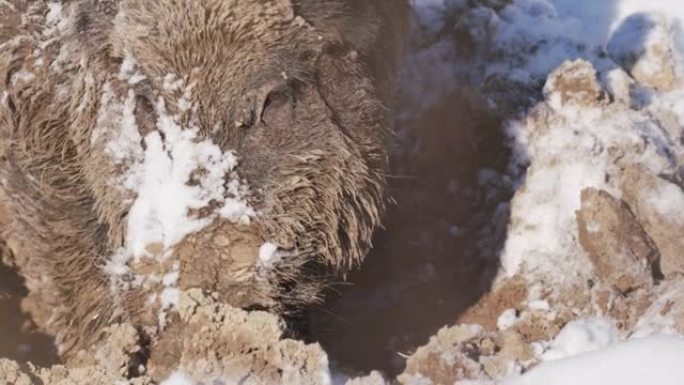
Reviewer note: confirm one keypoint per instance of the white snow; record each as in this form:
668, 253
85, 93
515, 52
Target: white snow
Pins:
128, 71
178, 378
571, 154
668, 201
54, 12
507, 319
178, 183
268, 254
160, 212
582, 336
653, 360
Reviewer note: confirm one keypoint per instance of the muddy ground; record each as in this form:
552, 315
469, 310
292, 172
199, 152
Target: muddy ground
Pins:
18, 339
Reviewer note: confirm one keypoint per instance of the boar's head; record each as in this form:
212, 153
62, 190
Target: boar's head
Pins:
296, 90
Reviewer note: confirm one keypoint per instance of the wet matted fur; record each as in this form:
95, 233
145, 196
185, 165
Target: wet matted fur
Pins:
299, 89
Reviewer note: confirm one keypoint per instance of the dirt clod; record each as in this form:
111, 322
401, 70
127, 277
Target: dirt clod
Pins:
620, 250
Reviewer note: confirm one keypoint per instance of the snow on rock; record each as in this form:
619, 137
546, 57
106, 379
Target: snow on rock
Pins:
621, 252
178, 378
643, 45
658, 204
666, 314
594, 98
576, 140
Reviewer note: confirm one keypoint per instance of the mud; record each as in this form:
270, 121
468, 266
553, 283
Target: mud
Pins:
19, 339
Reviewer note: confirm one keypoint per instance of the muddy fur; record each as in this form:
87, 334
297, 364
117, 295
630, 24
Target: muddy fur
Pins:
299, 89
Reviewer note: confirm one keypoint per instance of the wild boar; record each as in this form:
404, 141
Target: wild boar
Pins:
296, 91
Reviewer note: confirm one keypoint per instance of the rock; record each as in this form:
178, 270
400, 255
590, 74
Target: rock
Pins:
539, 325
508, 294
512, 348
620, 250
643, 46
450, 356
659, 207
619, 84
573, 83
666, 314
11, 373
215, 342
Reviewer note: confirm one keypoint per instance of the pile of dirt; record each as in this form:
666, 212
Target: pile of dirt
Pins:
208, 341
617, 257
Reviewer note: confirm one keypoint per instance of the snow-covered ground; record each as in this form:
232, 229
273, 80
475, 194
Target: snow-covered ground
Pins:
578, 125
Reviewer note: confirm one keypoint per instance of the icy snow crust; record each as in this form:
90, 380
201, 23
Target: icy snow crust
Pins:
653, 360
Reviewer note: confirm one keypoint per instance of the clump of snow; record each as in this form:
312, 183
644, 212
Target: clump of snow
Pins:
668, 201
653, 360
507, 319
55, 17
539, 305
268, 254
129, 72
582, 336
178, 378
160, 214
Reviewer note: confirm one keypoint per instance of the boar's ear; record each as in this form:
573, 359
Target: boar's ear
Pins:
351, 22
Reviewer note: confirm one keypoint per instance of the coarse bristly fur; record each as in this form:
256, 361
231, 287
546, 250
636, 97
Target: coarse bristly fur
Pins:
299, 89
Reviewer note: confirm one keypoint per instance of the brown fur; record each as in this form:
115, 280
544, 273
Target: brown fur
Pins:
315, 162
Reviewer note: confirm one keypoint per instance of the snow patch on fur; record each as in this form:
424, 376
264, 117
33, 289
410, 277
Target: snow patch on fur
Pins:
180, 183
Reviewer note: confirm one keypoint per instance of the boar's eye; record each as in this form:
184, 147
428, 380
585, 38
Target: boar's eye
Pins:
277, 103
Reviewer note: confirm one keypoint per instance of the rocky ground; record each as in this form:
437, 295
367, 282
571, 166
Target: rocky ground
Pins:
592, 260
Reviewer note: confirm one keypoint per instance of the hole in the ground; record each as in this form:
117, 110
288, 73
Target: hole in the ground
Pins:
438, 254
18, 338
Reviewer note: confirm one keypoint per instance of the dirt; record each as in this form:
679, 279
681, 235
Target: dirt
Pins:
18, 338
210, 340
